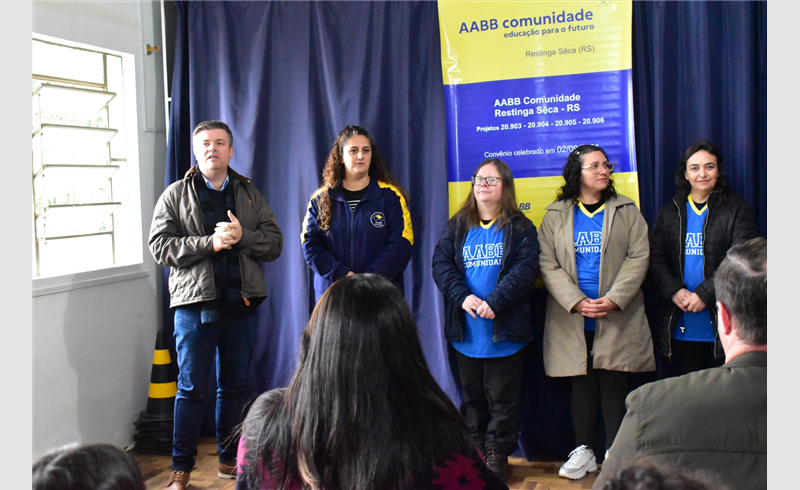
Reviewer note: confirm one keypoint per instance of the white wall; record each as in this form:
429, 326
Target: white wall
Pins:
93, 346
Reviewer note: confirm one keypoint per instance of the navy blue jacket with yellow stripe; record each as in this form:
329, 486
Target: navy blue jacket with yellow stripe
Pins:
376, 238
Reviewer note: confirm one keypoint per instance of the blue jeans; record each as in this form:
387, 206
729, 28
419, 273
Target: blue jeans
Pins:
197, 344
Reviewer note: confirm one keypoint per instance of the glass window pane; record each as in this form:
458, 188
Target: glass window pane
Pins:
51, 228
75, 254
70, 105
70, 191
59, 61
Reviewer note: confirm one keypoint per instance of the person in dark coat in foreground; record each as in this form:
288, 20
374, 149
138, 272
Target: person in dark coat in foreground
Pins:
714, 419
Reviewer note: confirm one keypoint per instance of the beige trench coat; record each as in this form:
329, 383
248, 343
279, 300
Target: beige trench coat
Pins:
622, 339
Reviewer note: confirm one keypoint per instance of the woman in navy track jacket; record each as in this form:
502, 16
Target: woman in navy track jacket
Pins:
358, 221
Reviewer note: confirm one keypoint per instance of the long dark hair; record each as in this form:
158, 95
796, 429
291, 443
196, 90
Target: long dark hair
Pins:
508, 202
333, 173
683, 187
362, 410
78, 467
571, 189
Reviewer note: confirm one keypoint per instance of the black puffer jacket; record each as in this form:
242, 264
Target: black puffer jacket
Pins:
510, 300
728, 222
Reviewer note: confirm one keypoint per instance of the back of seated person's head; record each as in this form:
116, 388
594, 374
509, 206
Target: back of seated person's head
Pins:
89, 466
643, 474
362, 397
741, 285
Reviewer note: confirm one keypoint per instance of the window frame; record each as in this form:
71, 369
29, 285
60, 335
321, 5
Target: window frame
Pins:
127, 219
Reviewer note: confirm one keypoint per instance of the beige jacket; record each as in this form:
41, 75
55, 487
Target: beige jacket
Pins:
622, 338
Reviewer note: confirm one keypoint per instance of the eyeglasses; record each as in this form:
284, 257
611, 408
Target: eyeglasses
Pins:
595, 167
489, 180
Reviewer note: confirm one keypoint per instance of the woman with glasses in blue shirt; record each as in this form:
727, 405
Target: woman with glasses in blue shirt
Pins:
594, 255
485, 262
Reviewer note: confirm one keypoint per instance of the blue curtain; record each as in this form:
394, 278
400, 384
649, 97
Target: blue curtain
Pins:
700, 71
288, 76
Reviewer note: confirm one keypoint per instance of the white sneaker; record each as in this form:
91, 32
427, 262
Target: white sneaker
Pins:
581, 461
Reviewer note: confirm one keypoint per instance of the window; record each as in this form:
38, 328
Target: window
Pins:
86, 212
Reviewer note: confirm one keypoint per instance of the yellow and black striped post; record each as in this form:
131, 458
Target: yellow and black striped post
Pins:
161, 397
155, 425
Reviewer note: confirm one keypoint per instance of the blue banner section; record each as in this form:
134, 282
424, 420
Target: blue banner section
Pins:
532, 124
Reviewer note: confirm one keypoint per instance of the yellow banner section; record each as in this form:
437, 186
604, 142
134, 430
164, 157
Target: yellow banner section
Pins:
512, 40
536, 193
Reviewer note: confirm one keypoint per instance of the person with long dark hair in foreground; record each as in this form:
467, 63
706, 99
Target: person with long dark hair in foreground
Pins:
485, 263
594, 257
362, 410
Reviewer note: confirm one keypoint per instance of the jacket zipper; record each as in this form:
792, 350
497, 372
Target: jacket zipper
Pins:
502, 268
460, 262
711, 312
241, 268
681, 240
194, 191
352, 233
610, 212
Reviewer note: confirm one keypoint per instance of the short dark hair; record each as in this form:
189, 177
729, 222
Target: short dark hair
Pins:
214, 124
95, 466
683, 187
741, 285
571, 189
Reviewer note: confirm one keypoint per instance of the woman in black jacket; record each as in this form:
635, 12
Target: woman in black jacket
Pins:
484, 264
687, 243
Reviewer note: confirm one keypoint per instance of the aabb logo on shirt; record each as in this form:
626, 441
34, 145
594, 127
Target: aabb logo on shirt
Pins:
694, 244
378, 220
588, 242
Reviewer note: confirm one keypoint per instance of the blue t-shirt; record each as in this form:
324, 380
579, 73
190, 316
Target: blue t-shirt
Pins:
694, 327
588, 233
483, 261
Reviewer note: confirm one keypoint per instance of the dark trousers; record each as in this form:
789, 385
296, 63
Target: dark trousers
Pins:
598, 388
694, 356
492, 391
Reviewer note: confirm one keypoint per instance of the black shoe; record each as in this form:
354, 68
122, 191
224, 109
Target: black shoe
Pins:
497, 462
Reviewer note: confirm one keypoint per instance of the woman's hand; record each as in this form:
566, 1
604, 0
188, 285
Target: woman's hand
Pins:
681, 298
595, 308
580, 305
485, 311
695, 304
472, 302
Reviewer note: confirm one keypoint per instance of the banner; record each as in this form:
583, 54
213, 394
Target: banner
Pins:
527, 82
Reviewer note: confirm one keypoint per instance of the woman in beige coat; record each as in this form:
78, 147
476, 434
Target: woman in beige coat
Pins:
594, 255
